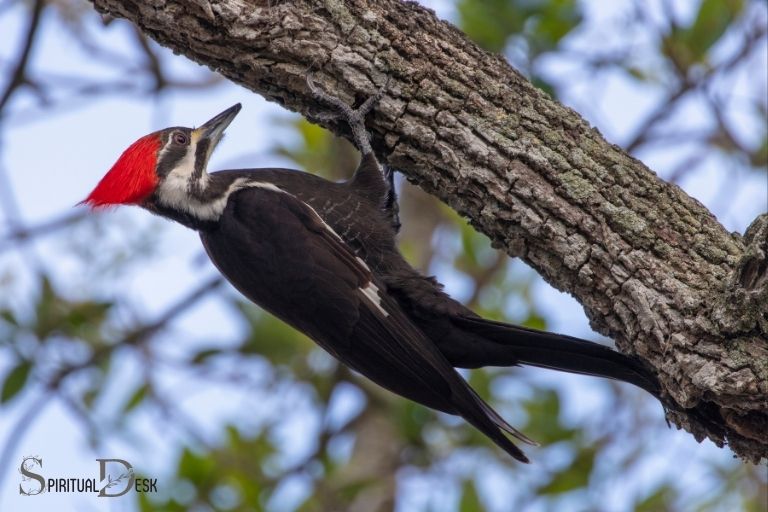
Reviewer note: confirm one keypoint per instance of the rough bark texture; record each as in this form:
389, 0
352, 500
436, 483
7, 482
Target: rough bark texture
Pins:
653, 268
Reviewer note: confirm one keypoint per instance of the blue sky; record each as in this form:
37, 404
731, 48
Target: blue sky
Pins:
53, 160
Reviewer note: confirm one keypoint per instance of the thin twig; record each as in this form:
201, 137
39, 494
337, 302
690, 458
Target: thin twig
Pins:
17, 432
19, 75
663, 111
153, 65
142, 333
24, 234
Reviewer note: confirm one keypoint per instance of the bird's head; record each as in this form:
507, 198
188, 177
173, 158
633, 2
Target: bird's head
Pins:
172, 161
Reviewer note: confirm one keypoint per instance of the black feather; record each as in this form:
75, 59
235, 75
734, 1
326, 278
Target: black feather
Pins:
279, 253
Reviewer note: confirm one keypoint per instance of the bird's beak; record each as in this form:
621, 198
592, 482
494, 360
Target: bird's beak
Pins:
214, 129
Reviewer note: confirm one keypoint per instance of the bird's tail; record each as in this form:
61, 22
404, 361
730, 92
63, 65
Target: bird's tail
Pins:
548, 350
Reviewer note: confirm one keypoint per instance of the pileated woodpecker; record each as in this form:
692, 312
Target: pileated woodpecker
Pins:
322, 257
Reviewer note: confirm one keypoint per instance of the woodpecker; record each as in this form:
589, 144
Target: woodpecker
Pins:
322, 257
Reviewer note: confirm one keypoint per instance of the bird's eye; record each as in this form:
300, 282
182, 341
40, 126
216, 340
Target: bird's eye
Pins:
180, 138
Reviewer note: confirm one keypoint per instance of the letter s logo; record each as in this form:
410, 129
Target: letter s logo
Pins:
28, 463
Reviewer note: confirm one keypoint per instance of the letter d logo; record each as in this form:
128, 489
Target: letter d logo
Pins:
116, 482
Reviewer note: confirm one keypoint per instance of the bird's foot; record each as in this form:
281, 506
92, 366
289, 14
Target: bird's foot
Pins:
354, 117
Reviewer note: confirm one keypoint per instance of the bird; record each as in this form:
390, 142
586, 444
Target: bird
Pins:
322, 256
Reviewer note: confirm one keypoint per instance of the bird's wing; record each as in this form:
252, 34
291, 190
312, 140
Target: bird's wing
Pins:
281, 254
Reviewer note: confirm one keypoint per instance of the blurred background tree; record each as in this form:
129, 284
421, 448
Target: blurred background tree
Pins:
117, 338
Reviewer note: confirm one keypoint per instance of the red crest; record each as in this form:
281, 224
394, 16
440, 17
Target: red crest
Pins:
132, 179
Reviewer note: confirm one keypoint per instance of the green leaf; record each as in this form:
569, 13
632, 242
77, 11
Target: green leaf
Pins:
543, 24
15, 380
321, 152
575, 476
554, 19
687, 46
544, 422
205, 354
636, 73
656, 501
470, 501
759, 157
480, 380
45, 314
148, 504
136, 398
7, 316
351, 490
490, 22
535, 321
544, 85
56, 315
197, 468
411, 421
85, 314
713, 19
468, 245
270, 337
89, 396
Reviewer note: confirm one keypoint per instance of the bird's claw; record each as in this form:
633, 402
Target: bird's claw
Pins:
354, 117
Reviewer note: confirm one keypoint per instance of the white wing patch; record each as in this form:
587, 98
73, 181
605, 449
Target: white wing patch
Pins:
325, 225
266, 185
271, 186
363, 263
371, 292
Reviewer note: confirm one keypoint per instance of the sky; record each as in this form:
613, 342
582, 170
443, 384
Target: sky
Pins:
53, 161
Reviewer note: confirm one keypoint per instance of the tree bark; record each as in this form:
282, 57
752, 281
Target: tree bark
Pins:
652, 267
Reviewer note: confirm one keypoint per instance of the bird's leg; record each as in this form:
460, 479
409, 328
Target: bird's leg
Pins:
354, 117
370, 176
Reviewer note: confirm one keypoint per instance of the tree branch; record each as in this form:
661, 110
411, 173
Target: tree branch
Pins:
652, 267
19, 75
